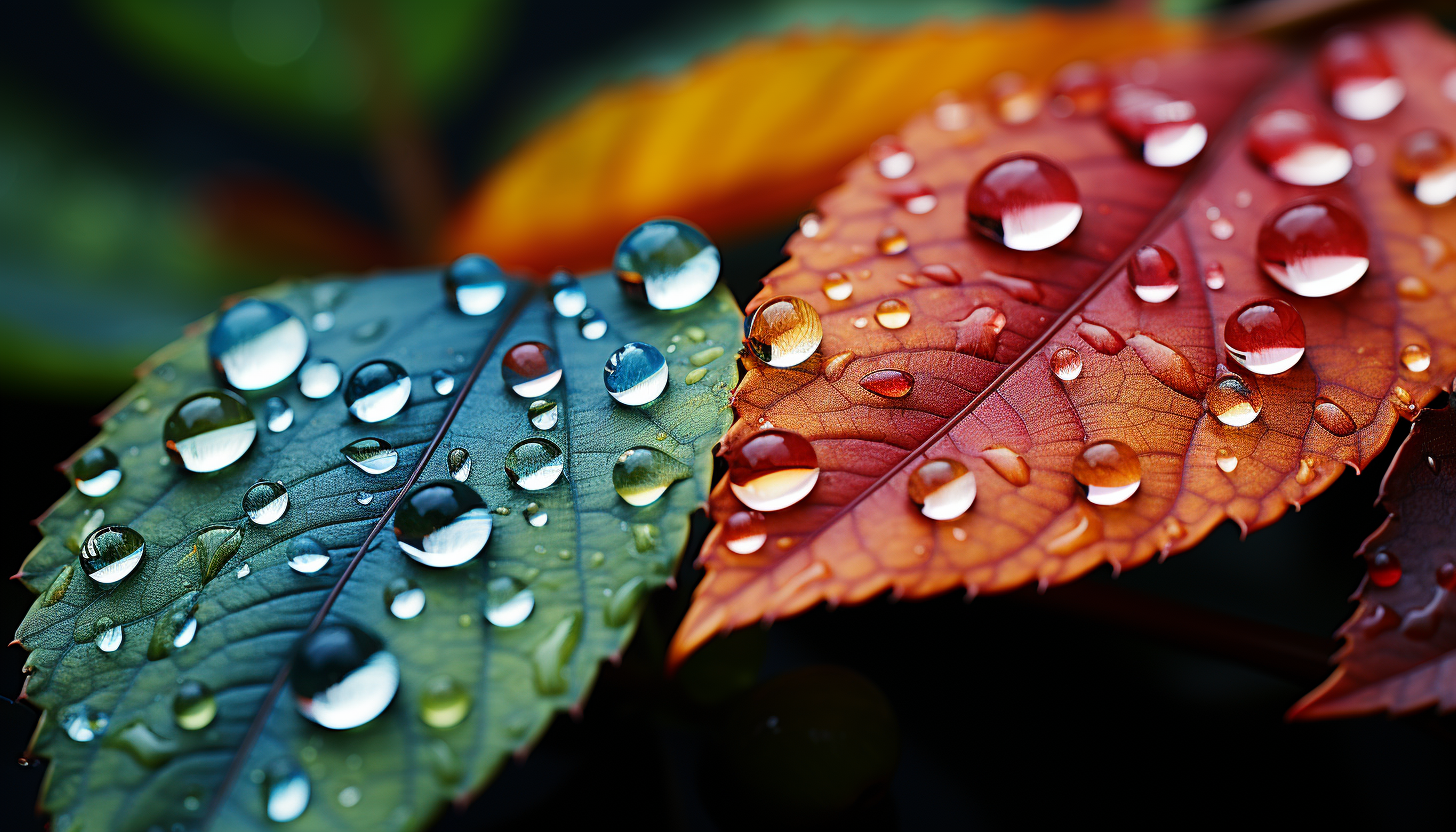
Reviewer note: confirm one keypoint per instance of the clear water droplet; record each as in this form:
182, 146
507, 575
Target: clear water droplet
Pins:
1232, 401
837, 287
1213, 275
591, 324
531, 369
635, 374
1226, 460
370, 455
1025, 201
1066, 363
444, 703
1298, 149
508, 602
286, 791
442, 524
1153, 273
745, 532
108, 639
193, 705
1266, 336
943, 488
377, 390
543, 414
96, 472
404, 598
185, 634
892, 313
783, 331
567, 296
458, 461
772, 469
319, 378
534, 464
891, 159
641, 475
535, 515
257, 343
343, 677
668, 263
307, 555
810, 224
1425, 165
83, 724
1413, 287
1109, 470
443, 382
278, 414
889, 383
1358, 77
475, 285
265, 502
1416, 358
209, 431
1313, 248
1164, 127
111, 553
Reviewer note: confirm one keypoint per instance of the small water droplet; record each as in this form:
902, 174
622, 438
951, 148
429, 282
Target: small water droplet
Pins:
278, 414
1221, 228
210, 430
1384, 569
265, 502
1153, 273
943, 488
567, 296
784, 331
892, 313
1358, 77
810, 225
185, 634
363, 498
96, 472
244, 571
111, 553
745, 532
1412, 287
474, 285
1298, 149
108, 636
530, 369
635, 374
307, 555
1227, 461
1313, 248
377, 390
1013, 99
343, 677
772, 469
835, 365
1425, 165
318, 378
641, 475
1266, 336
370, 455
1401, 400
444, 703
890, 383
1079, 89
458, 462
552, 655
1110, 471
913, 196
1213, 276
951, 114
1066, 363
1165, 128
1416, 358
543, 414
1232, 401
322, 321
257, 343
534, 464
83, 724
1010, 465
891, 159
443, 382
404, 598
591, 324
535, 515
1100, 338
1026, 202
861, 323
508, 602
1243, 199
1332, 417
193, 705
286, 791
891, 241
442, 523
668, 263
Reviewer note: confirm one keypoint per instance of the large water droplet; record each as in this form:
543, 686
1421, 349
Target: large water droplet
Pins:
458, 461
892, 313
343, 677
543, 414
783, 331
1232, 401
444, 703
193, 706
209, 430
1415, 357
534, 464
442, 523
111, 553
1425, 165
1024, 201
508, 602
1358, 77
1298, 149
96, 472
1164, 127
1110, 471
474, 285
1153, 273
1266, 336
567, 295
1313, 248
286, 791
377, 390
641, 475
404, 598
265, 502
443, 382
318, 378
257, 344
669, 263
890, 383
591, 324
943, 488
370, 455
1066, 363
278, 414
307, 555
745, 532
109, 636
530, 369
635, 373
772, 469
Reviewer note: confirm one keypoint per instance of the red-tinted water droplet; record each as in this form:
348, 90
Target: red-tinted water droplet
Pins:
1314, 248
1232, 400
1013, 99
1425, 165
530, 368
1009, 464
1110, 471
913, 195
744, 532
891, 240
1079, 89
1025, 201
1358, 77
1384, 569
1446, 575
1379, 620
1165, 128
943, 488
1298, 149
941, 273
1067, 363
1266, 336
891, 159
890, 383
1020, 288
1332, 417
772, 469
1153, 272
1167, 365
1102, 339
1213, 276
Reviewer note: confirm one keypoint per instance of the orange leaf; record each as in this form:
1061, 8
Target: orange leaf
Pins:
985, 321
748, 137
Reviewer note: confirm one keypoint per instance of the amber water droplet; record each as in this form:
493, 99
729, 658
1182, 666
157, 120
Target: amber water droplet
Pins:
1165, 128
1153, 273
1066, 363
1298, 149
784, 331
1079, 89
1169, 366
1227, 461
745, 532
834, 367
1213, 276
1306, 471
942, 273
1384, 569
1083, 528
1266, 336
943, 488
1416, 358
893, 313
1314, 248
1333, 418
772, 469
1358, 77
837, 286
1024, 201
1232, 401
1401, 399
1412, 287
891, 159
1425, 165
1009, 464
890, 383
891, 240
1013, 99
530, 369
1110, 471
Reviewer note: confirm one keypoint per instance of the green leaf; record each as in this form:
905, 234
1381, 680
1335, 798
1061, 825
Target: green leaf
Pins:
589, 566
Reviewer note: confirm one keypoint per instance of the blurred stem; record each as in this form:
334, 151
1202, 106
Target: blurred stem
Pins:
409, 169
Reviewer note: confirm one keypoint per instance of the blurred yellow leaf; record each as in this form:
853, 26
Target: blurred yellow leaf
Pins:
749, 136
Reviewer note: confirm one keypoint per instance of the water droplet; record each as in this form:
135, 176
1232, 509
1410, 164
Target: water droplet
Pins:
1153, 273
835, 365
567, 295
1079, 89
745, 532
444, 703
278, 414
1298, 149
377, 390
111, 553
307, 555
185, 634
1066, 363
83, 724
1412, 287
534, 464
668, 263
1425, 165
892, 313
1415, 357
458, 462
810, 225
1384, 569
1100, 338
1167, 365
943, 488
370, 455
891, 241
535, 515
193, 706
772, 469
1164, 127
912, 195
508, 602
591, 324
349, 797
530, 369
443, 382
1010, 465
543, 414
1306, 472
861, 323
1313, 248
837, 286
946, 275
322, 321
1013, 99
1227, 462
343, 677
641, 475
1232, 401
1266, 336
1110, 471
404, 598
624, 601
442, 523
319, 377
552, 655
1358, 77
474, 285
1332, 417
363, 498
257, 344
265, 502
891, 159
285, 791
1446, 575
209, 430
109, 636
783, 331
1213, 276
635, 373
1024, 201
952, 114
96, 472
1221, 228
890, 383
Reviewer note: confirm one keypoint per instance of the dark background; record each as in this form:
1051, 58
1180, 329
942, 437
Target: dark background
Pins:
1138, 701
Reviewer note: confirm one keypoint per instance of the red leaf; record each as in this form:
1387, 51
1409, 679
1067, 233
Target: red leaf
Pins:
981, 350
